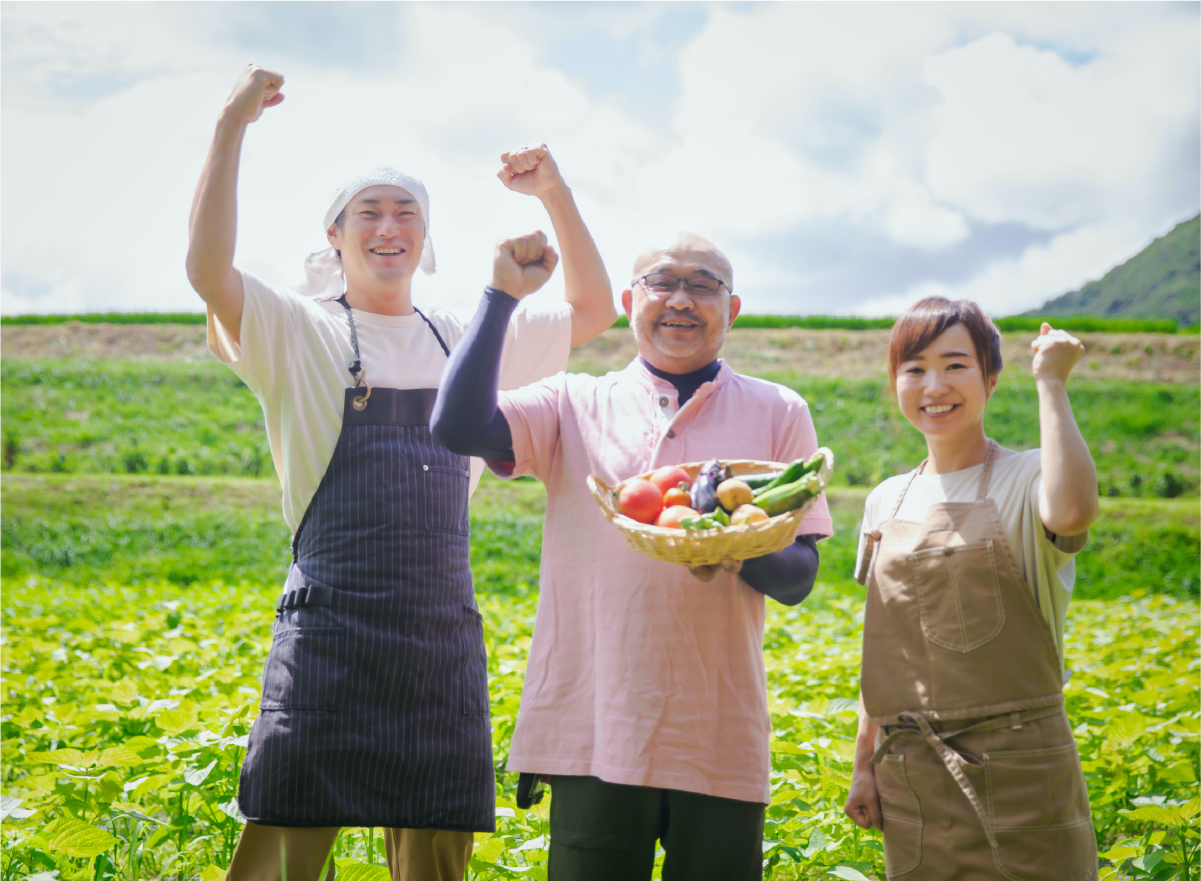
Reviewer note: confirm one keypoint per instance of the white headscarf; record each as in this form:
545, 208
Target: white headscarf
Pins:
323, 269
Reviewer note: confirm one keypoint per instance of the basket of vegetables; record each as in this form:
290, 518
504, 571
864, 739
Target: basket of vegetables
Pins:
698, 514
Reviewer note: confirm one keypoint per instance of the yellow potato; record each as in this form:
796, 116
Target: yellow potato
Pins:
747, 514
733, 493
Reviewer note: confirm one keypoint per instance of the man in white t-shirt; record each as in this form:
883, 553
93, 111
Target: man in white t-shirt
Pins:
374, 708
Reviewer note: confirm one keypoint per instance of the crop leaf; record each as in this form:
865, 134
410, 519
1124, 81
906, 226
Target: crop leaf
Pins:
848, 873
1148, 861
1162, 814
118, 757
212, 873
124, 692
196, 776
11, 807
490, 850
77, 839
362, 872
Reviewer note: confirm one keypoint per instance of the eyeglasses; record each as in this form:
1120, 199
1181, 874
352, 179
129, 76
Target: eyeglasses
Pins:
661, 283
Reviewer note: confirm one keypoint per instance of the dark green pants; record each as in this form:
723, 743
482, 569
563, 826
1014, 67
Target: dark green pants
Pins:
606, 832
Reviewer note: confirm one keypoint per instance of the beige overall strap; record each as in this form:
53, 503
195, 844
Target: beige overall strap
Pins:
905, 489
873, 537
986, 474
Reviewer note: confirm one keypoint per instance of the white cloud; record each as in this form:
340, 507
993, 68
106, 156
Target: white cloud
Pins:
929, 129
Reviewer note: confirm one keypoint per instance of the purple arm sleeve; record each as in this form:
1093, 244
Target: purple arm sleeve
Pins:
466, 419
786, 576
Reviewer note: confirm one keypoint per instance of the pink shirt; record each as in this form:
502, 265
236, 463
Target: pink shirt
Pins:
639, 673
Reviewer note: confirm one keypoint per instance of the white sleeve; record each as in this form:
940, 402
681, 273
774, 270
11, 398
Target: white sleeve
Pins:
869, 523
266, 337
537, 344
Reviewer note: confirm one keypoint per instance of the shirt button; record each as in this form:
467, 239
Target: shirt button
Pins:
663, 401
946, 552
425, 467
671, 434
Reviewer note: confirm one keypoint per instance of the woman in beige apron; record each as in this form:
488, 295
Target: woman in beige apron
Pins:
965, 757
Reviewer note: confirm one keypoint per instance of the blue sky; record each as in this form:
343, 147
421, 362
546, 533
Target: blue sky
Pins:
849, 157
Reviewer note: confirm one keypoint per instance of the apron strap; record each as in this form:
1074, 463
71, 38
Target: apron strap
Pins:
437, 335
986, 474
954, 760
905, 489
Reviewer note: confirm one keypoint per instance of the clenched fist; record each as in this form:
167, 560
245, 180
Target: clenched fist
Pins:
530, 170
522, 265
1056, 352
255, 90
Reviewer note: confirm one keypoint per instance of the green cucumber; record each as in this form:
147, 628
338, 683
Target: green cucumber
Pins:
790, 496
790, 474
756, 481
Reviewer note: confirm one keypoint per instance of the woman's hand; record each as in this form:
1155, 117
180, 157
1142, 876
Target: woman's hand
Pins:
1056, 352
863, 801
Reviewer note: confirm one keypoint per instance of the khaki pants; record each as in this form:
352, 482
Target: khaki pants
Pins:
412, 854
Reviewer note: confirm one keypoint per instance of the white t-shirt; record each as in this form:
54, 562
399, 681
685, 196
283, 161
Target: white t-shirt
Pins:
294, 353
1048, 567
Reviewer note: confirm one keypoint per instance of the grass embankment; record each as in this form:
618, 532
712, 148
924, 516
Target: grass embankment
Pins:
83, 529
173, 418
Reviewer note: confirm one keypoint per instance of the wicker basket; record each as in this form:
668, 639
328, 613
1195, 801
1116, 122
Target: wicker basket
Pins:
706, 547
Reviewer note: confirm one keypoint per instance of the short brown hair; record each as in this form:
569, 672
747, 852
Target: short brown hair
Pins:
926, 320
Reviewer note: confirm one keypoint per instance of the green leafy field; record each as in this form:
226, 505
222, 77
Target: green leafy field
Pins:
140, 559
126, 711
92, 417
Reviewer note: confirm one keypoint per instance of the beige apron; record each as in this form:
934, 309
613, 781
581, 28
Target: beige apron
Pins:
976, 766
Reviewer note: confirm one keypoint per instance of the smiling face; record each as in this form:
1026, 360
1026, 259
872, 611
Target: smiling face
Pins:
679, 332
380, 238
942, 390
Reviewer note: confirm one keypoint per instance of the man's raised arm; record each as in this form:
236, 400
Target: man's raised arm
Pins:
533, 171
212, 228
466, 419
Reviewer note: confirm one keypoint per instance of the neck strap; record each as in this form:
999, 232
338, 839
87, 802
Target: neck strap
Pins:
981, 490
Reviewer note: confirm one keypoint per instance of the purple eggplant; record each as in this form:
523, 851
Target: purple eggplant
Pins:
704, 488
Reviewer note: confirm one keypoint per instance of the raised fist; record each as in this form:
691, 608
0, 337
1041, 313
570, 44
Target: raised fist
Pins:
1056, 352
530, 170
522, 265
255, 90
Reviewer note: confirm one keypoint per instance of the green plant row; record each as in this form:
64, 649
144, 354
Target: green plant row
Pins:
127, 710
1080, 323
177, 418
85, 530
1013, 323
108, 318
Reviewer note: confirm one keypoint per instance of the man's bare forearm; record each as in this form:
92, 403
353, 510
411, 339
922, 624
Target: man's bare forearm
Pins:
212, 227
588, 289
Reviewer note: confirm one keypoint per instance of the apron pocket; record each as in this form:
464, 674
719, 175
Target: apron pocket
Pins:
475, 678
306, 669
1038, 804
902, 817
446, 499
959, 594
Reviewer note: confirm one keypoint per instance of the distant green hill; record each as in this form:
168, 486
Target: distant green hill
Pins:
1161, 281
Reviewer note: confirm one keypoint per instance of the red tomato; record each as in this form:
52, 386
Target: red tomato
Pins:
670, 477
672, 516
676, 496
640, 500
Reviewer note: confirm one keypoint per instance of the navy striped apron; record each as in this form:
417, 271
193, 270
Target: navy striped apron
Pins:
375, 695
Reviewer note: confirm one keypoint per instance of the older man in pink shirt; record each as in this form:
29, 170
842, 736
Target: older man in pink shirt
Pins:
645, 696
